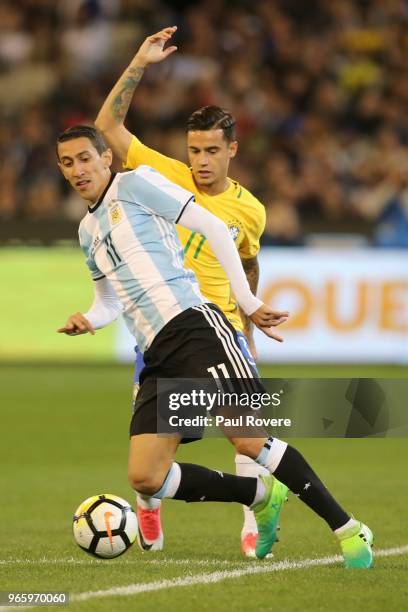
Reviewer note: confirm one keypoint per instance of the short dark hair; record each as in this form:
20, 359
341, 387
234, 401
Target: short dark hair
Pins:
213, 118
84, 131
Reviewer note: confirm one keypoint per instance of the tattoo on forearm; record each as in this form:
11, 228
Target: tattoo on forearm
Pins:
251, 268
122, 100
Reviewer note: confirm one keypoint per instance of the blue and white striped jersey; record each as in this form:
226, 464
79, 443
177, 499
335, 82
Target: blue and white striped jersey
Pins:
129, 236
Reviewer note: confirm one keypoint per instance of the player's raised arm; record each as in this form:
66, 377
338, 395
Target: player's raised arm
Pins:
111, 117
200, 220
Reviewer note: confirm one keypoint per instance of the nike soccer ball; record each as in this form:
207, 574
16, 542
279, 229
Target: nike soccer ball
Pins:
105, 526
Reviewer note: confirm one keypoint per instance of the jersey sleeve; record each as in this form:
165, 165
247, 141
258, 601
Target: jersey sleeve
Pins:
85, 243
174, 170
254, 224
94, 270
155, 193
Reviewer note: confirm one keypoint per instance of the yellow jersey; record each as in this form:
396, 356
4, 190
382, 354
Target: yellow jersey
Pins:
237, 207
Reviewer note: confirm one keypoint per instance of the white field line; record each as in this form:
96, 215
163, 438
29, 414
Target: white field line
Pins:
212, 578
136, 561
218, 576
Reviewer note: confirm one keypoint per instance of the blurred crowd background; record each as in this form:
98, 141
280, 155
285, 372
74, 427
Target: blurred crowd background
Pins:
319, 90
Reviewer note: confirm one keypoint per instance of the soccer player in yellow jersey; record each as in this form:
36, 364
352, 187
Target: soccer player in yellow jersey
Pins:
211, 144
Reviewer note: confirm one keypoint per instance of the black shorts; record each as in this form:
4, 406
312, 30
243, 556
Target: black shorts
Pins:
195, 344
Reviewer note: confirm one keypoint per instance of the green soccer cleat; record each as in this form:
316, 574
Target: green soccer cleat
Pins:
267, 514
356, 545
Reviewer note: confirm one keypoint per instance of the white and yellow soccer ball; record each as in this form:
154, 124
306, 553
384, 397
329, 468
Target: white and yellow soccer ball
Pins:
105, 526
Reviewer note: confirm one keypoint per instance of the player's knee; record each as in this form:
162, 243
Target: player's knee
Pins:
144, 482
251, 447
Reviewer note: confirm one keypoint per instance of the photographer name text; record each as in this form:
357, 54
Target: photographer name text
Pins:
245, 420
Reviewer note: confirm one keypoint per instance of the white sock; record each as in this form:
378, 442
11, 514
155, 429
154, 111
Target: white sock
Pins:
350, 523
271, 454
171, 483
148, 503
245, 466
260, 493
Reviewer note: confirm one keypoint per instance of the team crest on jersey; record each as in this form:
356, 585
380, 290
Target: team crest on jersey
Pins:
234, 229
115, 212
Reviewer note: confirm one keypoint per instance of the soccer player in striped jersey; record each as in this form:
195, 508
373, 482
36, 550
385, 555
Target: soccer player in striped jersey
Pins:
135, 258
212, 144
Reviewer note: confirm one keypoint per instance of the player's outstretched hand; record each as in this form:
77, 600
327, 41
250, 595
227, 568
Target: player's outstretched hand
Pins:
152, 50
77, 324
266, 319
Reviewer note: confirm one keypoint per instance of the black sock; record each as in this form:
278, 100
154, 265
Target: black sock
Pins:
294, 471
201, 484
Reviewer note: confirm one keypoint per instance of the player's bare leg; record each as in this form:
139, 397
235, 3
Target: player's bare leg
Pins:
142, 461
151, 537
150, 458
153, 472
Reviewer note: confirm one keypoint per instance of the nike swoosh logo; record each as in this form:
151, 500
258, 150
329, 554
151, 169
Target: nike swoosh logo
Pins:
143, 544
107, 516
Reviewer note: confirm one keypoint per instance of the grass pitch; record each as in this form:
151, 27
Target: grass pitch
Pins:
64, 438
